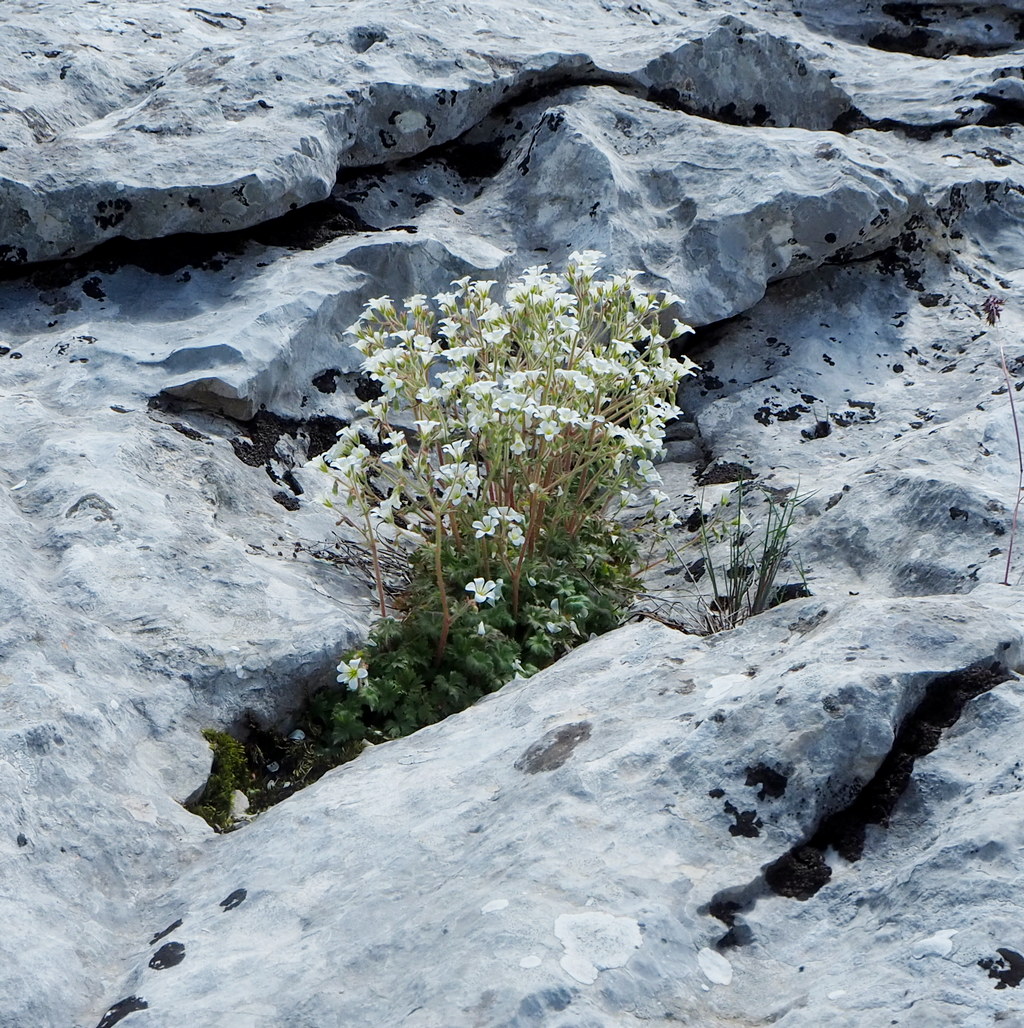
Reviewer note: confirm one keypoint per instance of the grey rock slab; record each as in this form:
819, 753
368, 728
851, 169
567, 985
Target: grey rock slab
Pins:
634, 748
226, 122
238, 333
664, 192
151, 589
244, 117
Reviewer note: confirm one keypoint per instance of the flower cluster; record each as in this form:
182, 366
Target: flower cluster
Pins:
501, 425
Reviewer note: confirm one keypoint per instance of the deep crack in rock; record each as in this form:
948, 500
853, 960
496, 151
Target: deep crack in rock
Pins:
802, 871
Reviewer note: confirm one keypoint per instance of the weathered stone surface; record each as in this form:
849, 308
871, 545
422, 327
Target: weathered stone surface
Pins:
832, 203
579, 893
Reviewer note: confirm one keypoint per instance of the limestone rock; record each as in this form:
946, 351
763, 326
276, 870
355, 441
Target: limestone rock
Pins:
194, 206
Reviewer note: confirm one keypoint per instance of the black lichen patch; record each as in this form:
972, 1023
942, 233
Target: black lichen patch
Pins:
554, 749
723, 472
234, 899
22, 840
287, 500
169, 955
1008, 970
110, 213
189, 433
860, 412
799, 874
747, 824
93, 287
773, 783
327, 381
12, 255
167, 931
802, 871
771, 410
121, 1009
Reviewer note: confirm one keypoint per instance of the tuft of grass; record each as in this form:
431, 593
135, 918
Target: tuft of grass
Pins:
745, 583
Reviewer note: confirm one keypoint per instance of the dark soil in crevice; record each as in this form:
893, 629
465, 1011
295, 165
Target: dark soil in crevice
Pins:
802, 871
259, 441
264, 764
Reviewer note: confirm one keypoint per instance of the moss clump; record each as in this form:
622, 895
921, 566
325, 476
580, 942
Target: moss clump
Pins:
230, 771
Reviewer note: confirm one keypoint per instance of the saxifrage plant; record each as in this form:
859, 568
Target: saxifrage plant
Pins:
496, 462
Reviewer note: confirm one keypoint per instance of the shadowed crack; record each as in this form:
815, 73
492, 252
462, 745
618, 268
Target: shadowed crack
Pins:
319, 222
802, 871
305, 228
478, 154
1000, 114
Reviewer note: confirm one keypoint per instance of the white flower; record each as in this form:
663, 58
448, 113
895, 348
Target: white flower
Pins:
516, 536
425, 427
455, 493
352, 673
487, 525
548, 428
456, 449
506, 514
485, 591
478, 418
480, 629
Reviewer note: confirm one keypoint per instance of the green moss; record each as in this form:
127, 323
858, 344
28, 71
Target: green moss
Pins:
230, 771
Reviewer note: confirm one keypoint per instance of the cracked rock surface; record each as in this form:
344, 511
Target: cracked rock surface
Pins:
195, 204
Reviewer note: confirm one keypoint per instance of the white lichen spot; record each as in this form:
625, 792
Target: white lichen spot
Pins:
410, 121
530, 961
724, 685
835, 994
715, 967
595, 942
494, 905
938, 945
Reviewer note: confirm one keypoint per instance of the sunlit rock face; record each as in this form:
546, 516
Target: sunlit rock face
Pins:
813, 819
